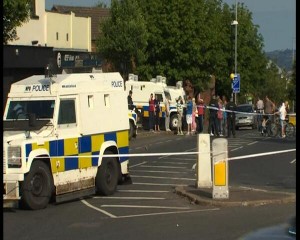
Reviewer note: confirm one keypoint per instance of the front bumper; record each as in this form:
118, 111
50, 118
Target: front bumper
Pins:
11, 184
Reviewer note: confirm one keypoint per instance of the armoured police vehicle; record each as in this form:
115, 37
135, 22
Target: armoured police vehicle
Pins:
64, 137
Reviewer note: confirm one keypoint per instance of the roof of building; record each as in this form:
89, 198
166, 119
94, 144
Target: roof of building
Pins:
97, 14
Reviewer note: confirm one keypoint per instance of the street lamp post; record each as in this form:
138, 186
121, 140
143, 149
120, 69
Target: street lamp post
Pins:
235, 23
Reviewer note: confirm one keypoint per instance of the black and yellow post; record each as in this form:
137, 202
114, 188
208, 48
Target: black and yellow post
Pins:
220, 168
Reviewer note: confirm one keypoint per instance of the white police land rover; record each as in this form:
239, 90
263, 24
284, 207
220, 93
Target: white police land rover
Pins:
64, 137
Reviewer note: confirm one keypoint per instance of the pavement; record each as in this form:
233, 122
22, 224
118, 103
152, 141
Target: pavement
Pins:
238, 195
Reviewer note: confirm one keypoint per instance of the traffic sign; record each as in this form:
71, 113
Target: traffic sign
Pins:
236, 83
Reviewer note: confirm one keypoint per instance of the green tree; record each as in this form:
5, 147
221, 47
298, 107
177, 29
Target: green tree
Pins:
291, 87
274, 86
124, 37
186, 40
15, 13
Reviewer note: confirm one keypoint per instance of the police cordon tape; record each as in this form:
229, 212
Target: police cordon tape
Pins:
252, 113
173, 154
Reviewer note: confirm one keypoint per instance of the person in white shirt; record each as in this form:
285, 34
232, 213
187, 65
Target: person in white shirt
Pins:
282, 115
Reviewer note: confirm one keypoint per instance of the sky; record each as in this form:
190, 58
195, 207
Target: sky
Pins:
276, 19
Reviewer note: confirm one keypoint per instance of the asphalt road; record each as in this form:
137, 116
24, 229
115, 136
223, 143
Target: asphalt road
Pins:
149, 209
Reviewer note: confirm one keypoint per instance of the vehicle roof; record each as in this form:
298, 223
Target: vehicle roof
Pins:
39, 85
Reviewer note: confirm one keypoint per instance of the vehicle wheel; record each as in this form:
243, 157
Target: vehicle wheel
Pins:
107, 176
37, 187
290, 130
174, 121
131, 130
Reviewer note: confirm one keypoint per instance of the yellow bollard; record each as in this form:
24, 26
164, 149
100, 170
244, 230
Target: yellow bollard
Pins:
220, 168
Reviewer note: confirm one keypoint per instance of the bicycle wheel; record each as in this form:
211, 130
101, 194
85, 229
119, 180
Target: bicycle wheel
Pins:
273, 130
290, 130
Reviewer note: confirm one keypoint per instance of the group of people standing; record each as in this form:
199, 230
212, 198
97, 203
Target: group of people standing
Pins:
221, 117
154, 113
266, 111
194, 110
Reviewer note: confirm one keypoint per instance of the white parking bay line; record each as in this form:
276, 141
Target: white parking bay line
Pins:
137, 165
143, 191
252, 143
147, 166
294, 161
235, 149
176, 163
98, 209
133, 198
140, 206
166, 213
188, 179
154, 171
157, 184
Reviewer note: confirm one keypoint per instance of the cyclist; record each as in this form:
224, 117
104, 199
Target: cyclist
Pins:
282, 115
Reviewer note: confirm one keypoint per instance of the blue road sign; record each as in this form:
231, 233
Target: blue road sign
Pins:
236, 83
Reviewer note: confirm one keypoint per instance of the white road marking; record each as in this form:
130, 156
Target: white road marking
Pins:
188, 179
132, 198
162, 167
137, 165
98, 209
144, 191
235, 149
185, 159
171, 155
158, 184
140, 206
166, 213
178, 163
294, 161
154, 171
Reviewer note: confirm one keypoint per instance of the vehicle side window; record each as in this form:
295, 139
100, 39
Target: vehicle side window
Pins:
67, 114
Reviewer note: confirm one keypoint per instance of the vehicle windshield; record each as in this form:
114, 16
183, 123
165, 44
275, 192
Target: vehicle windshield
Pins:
245, 108
20, 110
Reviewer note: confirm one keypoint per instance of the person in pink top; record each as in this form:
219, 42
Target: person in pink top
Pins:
201, 111
151, 112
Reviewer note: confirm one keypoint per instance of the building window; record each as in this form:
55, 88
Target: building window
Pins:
67, 37
32, 9
56, 35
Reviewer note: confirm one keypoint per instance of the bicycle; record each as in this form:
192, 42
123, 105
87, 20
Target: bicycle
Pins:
275, 128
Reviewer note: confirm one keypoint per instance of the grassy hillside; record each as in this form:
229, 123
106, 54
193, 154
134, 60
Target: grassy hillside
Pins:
283, 58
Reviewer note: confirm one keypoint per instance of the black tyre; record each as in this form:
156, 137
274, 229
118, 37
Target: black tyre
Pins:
107, 176
37, 188
174, 121
290, 130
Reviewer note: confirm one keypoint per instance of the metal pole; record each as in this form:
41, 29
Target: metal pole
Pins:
235, 47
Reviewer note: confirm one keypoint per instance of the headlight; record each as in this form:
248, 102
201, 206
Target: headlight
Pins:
14, 157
